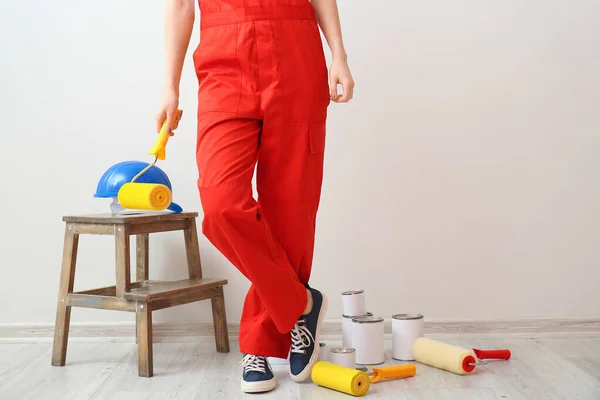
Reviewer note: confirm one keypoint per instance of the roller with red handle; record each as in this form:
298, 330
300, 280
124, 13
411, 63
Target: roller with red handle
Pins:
492, 354
452, 358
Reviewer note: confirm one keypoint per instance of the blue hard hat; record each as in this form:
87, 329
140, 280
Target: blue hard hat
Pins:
121, 173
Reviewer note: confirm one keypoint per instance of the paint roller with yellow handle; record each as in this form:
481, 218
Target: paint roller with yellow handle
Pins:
149, 196
340, 378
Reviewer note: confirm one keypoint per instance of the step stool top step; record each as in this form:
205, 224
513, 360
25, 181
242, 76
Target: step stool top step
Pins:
137, 218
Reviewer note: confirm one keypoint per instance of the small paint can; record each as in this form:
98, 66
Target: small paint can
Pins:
367, 340
344, 356
406, 328
353, 303
347, 329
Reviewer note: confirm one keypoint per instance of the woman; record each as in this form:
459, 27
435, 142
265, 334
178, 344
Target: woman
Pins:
262, 101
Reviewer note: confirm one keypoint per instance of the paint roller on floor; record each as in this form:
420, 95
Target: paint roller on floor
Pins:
356, 382
340, 378
452, 358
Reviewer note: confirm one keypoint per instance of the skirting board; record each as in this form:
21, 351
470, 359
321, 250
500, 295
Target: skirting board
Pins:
331, 329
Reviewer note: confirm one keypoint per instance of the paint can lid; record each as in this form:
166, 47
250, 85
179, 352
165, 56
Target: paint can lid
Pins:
354, 316
367, 319
407, 316
343, 350
351, 292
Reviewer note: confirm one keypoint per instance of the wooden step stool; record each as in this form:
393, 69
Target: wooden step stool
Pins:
142, 296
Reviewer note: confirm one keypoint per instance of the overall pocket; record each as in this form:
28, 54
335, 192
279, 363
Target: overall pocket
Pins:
218, 70
316, 136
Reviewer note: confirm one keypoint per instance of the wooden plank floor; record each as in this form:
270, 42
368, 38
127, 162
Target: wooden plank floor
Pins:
542, 368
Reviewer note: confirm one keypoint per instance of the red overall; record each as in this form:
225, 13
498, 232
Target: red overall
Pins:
262, 103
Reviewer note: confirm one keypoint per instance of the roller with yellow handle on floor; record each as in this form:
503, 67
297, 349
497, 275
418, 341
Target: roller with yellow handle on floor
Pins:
149, 196
356, 382
342, 379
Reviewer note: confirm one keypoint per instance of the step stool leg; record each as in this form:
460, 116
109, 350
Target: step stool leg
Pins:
63, 312
123, 254
144, 340
142, 257
220, 321
192, 250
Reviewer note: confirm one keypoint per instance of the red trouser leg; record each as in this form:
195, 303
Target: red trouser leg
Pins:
288, 184
262, 99
232, 221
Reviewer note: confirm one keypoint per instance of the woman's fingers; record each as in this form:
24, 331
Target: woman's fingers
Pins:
176, 118
349, 88
170, 120
333, 88
160, 118
348, 91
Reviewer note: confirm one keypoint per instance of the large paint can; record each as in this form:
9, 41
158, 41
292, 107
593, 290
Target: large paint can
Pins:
367, 340
406, 328
347, 326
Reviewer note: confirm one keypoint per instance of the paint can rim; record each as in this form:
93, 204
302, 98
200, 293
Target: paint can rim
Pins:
343, 350
369, 314
366, 319
351, 292
407, 316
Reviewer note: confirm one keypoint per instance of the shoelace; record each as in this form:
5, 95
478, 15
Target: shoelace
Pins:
251, 362
301, 337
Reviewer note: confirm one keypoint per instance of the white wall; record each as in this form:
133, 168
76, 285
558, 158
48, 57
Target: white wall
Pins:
462, 181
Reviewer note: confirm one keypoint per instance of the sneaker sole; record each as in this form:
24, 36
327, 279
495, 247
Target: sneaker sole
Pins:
259, 386
305, 374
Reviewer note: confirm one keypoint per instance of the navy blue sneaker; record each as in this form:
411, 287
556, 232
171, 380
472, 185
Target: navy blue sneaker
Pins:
257, 376
304, 353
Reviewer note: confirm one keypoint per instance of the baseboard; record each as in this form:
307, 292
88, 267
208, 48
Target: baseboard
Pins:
331, 330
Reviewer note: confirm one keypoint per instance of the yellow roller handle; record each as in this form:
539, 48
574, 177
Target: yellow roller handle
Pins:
396, 371
158, 149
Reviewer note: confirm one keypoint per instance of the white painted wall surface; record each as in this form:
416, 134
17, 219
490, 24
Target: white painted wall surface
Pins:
461, 182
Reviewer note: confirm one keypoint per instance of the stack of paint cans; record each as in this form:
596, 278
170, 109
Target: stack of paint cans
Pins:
360, 329
354, 305
363, 334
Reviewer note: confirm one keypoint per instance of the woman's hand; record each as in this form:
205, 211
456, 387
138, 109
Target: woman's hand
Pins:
339, 73
168, 109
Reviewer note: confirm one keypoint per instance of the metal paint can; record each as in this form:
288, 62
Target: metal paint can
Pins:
367, 340
344, 356
353, 302
347, 329
406, 328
